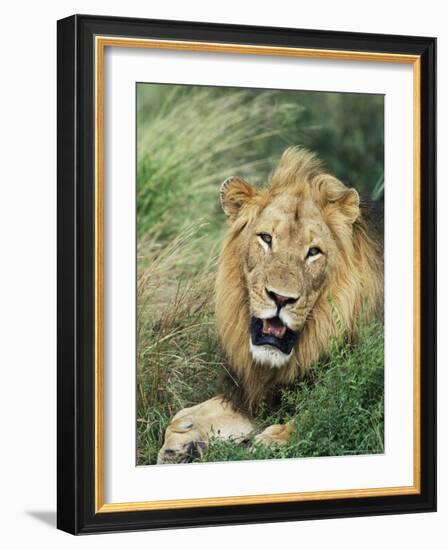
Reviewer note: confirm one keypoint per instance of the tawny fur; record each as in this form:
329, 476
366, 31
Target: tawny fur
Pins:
352, 290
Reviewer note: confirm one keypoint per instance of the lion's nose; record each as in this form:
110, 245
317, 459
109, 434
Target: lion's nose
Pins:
280, 299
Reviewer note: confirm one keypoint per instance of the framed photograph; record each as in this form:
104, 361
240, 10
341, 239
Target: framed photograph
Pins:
246, 274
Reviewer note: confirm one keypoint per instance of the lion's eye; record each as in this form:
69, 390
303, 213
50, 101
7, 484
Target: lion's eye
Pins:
266, 238
314, 251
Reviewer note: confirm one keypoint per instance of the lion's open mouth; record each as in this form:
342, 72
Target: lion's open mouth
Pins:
273, 332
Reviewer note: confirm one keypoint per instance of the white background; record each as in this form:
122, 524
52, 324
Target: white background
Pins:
123, 481
28, 273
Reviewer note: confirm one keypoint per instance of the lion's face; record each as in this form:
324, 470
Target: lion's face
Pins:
287, 254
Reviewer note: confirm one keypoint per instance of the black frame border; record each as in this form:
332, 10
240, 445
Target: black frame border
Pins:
75, 272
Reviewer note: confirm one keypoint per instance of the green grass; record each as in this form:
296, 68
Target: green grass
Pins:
189, 140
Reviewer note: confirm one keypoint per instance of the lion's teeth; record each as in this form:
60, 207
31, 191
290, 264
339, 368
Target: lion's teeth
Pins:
274, 327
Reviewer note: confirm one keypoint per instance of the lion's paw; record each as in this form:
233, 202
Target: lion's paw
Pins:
183, 442
188, 433
275, 435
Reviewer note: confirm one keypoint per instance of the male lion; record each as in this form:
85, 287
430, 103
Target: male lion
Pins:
299, 264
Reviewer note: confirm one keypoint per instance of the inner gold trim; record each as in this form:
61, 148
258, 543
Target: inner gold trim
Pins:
101, 42
250, 49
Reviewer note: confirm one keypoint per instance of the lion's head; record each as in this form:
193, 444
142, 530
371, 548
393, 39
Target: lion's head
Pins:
297, 264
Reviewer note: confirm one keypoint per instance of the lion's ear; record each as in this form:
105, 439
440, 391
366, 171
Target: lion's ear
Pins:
346, 200
234, 194
348, 203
